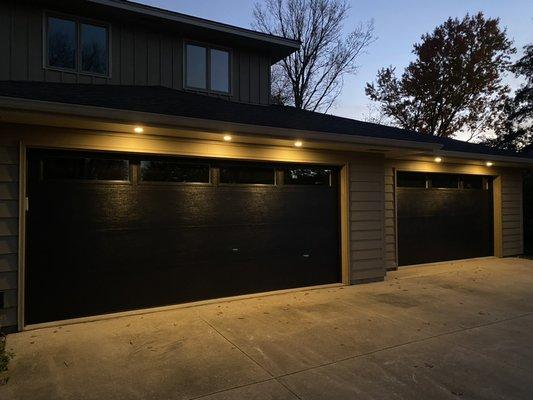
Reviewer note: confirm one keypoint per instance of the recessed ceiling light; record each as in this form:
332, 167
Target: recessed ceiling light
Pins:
438, 159
138, 129
489, 163
227, 138
298, 143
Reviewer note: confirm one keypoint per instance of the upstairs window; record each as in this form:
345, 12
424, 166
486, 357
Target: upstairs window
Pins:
207, 68
62, 39
77, 46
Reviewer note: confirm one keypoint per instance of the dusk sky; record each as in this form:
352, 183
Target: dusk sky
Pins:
398, 25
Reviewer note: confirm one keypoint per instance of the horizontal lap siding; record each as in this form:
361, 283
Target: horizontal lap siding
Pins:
390, 219
367, 245
9, 173
512, 213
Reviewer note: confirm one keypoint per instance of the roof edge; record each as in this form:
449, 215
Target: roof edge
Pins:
136, 117
197, 21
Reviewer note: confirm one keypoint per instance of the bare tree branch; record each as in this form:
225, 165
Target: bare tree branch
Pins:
314, 74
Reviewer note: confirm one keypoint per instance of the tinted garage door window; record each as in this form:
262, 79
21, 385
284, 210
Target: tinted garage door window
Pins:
443, 217
115, 233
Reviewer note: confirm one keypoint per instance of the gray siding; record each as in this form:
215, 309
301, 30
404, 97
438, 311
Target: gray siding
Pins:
9, 174
367, 244
512, 213
138, 56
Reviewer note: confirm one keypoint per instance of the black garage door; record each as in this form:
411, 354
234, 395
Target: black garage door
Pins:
108, 233
443, 217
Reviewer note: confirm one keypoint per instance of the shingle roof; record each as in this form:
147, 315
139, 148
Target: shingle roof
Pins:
160, 100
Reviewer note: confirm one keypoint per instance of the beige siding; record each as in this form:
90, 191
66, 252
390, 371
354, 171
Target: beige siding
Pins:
390, 219
367, 245
512, 213
8, 233
139, 55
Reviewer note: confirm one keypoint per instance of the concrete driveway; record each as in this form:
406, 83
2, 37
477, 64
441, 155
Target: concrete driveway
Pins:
457, 330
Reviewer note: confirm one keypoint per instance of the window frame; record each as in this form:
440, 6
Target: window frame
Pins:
102, 156
78, 58
208, 48
220, 166
142, 182
485, 179
330, 183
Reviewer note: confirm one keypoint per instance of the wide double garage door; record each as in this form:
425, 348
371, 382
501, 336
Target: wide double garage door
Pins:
443, 217
109, 233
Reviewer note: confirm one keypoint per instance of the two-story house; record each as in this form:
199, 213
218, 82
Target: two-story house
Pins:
142, 166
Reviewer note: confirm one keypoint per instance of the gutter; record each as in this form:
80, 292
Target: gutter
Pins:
138, 117
488, 157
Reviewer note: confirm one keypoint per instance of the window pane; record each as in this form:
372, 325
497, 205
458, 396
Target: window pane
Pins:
472, 182
94, 51
445, 181
167, 171
307, 176
219, 70
61, 43
243, 174
411, 179
85, 169
196, 66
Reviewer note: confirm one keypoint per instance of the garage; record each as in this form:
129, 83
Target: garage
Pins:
443, 217
116, 232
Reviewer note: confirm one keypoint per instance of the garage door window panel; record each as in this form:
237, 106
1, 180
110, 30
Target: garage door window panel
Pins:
313, 176
444, 181
173, 172
412, 180
237, 174
85, 169
474, 182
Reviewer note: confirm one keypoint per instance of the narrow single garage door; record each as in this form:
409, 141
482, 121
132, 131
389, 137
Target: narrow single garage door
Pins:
108, 233
443, 217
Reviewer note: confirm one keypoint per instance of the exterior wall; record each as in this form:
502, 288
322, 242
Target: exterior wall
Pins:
139, 55
367, 243
512, 213
9, 193
361, 192
508, 207
367, 197
390, 219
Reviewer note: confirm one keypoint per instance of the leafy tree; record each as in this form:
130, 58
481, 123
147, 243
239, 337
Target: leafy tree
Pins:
518, 131
312, 77
455, 83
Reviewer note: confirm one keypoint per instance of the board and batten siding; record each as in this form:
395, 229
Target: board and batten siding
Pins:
512, 213
139, 55
367, 244
9, 213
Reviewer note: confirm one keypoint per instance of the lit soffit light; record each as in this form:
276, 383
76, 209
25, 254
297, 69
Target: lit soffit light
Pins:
298, 143
138, 129
489, 163
227, 138
438, 159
